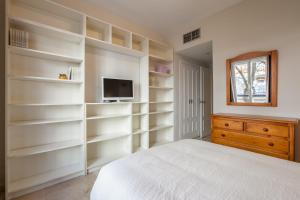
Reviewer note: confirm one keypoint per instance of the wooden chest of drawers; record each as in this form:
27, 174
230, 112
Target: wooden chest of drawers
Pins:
272, 136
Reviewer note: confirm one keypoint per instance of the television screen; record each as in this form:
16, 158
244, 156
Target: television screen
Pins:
117, 88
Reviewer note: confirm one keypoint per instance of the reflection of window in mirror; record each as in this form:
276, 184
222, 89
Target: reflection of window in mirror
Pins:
252, 79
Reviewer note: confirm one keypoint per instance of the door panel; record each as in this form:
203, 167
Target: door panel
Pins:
189, 95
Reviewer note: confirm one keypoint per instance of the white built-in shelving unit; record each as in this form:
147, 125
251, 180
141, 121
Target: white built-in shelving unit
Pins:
58, 129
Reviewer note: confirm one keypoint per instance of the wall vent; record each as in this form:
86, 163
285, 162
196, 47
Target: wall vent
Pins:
190, 36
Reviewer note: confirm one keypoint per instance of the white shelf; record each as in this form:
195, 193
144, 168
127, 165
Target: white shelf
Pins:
108, 116
42, 178
160, 102
45, 104
159, 143
40, 122
159, 58
113, 47
105, 137
106, 103
43, 79
160, 88
45, 29
43, 54
160, 127
160, 112
138, 131
160, 74
96, 163
139, 114
28, 151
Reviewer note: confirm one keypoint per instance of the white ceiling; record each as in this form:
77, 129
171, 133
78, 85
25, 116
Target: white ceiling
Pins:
164, 16
201, 53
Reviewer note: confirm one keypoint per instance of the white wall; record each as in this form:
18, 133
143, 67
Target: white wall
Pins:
2, 93
249, 26
113, 18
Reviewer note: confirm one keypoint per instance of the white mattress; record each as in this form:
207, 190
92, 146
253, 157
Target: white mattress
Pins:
193, 169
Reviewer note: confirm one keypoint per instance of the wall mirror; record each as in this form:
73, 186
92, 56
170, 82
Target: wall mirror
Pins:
252, 79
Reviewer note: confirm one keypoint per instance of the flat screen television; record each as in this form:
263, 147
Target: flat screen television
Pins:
116, 89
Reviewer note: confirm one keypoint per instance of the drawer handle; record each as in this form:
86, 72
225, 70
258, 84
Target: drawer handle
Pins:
271, 144
226, 124
223, 135
265, 129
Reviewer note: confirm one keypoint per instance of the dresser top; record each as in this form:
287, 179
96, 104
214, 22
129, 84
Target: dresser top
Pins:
258, 117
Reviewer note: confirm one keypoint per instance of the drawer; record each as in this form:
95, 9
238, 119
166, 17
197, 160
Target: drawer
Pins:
267, 129
250, 148
228, 124
254, 141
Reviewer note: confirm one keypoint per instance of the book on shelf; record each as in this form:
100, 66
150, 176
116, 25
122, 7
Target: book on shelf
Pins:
18, 38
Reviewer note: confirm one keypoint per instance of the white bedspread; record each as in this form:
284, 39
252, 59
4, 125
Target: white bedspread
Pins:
193, 169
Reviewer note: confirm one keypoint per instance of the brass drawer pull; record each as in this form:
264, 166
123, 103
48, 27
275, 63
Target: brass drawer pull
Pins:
226, 124
265, 129
271, 144
223, 135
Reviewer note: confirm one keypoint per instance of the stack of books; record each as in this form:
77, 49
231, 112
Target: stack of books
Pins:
18, 38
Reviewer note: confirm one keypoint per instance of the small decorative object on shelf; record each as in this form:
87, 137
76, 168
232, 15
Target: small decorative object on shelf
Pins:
162, 69
18, 38
63, 77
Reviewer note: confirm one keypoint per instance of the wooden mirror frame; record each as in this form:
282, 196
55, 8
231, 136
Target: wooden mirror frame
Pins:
273, 75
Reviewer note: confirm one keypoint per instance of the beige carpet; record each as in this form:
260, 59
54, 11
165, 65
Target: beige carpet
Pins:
75, 189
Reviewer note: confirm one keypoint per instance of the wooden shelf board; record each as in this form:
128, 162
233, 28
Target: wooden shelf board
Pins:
43, 79
38, 122
108, 116
44, 177
160, 112
28, 151
113, 47
160, 127
46, 29
160, 74
44, 55
105, 137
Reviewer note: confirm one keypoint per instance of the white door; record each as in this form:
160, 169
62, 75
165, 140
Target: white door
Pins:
189, 95
206, 101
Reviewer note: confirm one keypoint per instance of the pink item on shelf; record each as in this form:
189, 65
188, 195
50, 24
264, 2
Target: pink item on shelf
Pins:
162, 69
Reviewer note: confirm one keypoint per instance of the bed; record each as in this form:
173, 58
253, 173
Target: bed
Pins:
193, 169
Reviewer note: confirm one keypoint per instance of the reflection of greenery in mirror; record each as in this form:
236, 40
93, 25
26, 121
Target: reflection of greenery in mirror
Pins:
252, 79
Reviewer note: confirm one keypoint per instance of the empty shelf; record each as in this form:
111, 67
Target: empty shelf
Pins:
160, 127
28, 151
43, 54
105, 137
159, 58
112, 47
44, 177
96, 163
107, 116
160, 88
160, 74
38, 122
160, 112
